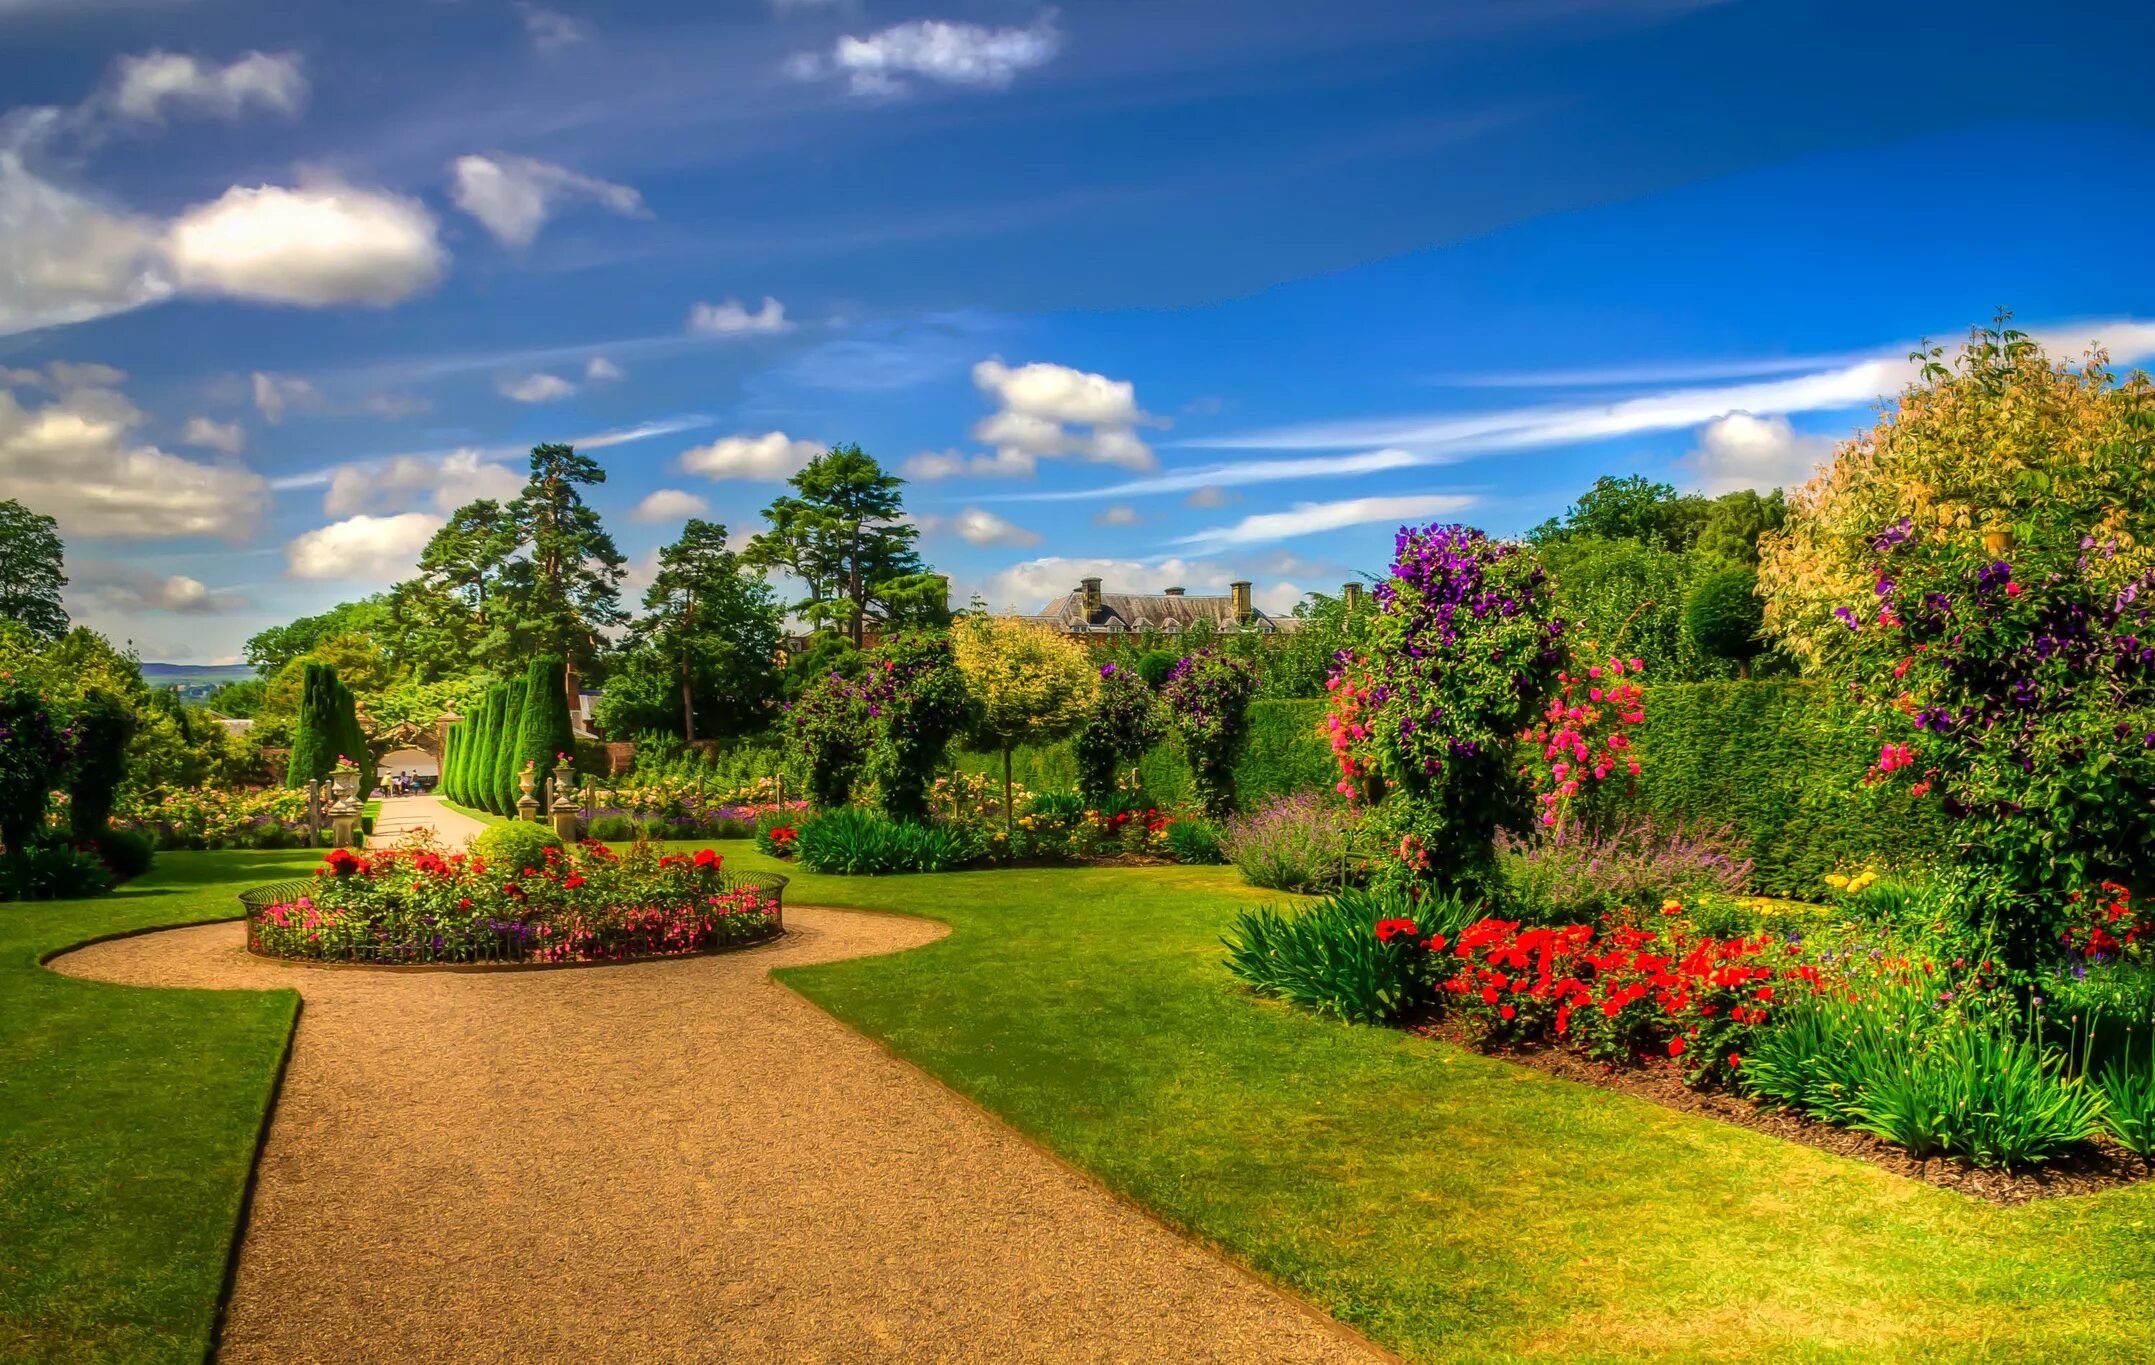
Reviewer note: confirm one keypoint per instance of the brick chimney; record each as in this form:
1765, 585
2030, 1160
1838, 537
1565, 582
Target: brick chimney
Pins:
1171, 592
1351, 594
1240, 591
1091, 589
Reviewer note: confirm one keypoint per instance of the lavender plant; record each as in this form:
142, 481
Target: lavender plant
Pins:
1570, 875
1303, 842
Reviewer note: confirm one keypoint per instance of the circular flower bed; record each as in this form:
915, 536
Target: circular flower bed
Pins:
584, 904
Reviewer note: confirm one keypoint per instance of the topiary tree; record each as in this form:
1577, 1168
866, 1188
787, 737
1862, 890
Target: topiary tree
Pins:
451, 751
103, 725
506, 789
1462, 654
36, 752
351, 737
1154, 665
830, 725
916, 698
1724, 616
1028, 685
1123, 721
1207, 697
314, 735
543, 731
480, 764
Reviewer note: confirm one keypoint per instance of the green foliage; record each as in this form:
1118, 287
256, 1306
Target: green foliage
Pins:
55, 871
1297, 663
271, 651
126, 853
853, 843
1195, 841
1633, 508
842, 532
543, 732
1724, 615
2129, 1103
316, 737
1155, 664
1123, 720
830, 723
517, 846
1304, 842
916, 695
30, 571
1328, 957
1776, 763
1734, 523
103, 726
828, 652
242, 699
504, 788
35, 756
1207, 702
1628, 596
712, 629
566, 586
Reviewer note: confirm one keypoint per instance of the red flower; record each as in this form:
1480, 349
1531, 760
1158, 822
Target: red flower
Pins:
707, 858
1676, 1047
1507, 1012
1389, 929
573, 882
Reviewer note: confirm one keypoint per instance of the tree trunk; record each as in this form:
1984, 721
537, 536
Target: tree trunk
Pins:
688, 701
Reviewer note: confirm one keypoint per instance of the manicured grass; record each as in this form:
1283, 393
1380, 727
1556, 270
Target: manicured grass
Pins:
128, 1121
1450, 1205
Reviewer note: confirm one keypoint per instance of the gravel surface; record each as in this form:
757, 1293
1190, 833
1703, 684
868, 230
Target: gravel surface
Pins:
675, 1161
400, 815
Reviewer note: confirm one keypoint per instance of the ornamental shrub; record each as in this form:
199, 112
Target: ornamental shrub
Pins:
1359, 954
1572, 875
544, 732
831, 727
519, 846
1028, 685
1154, 665
1303, 842
51, 872
103, 725
36, 752
508, 723
1207, 697
1462, 654
1123, 721
858, 843
917, 703
1726, 618
315, 735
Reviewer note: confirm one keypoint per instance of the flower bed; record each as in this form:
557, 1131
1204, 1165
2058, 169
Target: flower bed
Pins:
585, 904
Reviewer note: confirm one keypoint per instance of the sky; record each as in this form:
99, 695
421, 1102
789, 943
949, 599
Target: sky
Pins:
1178, 292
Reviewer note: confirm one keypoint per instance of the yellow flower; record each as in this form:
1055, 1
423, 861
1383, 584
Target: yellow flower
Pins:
1836, 880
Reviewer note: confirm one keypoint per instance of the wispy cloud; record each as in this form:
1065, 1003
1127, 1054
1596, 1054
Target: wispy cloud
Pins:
1232, 475
1308, 518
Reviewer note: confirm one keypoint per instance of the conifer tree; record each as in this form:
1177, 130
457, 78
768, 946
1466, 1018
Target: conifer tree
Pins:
544, 730
506, 764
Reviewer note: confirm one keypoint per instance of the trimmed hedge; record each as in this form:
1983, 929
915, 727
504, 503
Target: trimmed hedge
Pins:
1284, 754
1772, 760
544, 730
503, 786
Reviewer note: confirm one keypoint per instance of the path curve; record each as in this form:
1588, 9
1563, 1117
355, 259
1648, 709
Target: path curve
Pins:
674, 1161
400, 815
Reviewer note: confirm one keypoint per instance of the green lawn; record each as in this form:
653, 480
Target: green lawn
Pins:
1451, 1206
128, 1121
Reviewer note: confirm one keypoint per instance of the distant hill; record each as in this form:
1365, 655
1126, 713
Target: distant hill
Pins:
209, 675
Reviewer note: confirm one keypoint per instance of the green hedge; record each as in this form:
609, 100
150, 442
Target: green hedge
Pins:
1284, 754
1772, 760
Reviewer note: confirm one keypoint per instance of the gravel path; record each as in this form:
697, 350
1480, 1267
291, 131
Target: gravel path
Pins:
674, 1161
400, 815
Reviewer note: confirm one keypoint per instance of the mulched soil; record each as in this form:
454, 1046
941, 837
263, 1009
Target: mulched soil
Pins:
2096, 1166
675, 1161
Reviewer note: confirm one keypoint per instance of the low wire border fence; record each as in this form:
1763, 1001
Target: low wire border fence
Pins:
638, 935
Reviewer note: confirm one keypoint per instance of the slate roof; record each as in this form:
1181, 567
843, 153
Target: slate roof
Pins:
1165, 613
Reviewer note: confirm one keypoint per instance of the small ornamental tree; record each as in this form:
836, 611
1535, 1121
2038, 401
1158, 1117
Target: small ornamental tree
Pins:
1462, 655
1207, 697
917, 702
831, 728
1725, 617
509, 725
103, 725
314, 737
1123, 721
544, 732
36, 752
1029, 685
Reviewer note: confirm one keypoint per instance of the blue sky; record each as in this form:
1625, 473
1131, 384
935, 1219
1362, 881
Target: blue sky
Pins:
1171, 292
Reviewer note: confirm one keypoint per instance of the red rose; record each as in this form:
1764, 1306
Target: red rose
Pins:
1676, 1047
707, 858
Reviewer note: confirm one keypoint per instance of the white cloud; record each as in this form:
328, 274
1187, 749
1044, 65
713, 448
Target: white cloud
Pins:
362, 549
73, 458
1211, 495
533, 388
65, 257
1121, 514
446, 482
669, 504
600, 370
722, 319
149, 86
772, 456
320, 244
513, 196
277, 394
103, 584
936, 50
1308, 518
1742, 451
229, 438
1041, 406
977, 527
550, 30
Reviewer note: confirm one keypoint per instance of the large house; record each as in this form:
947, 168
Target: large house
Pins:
1087, 610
